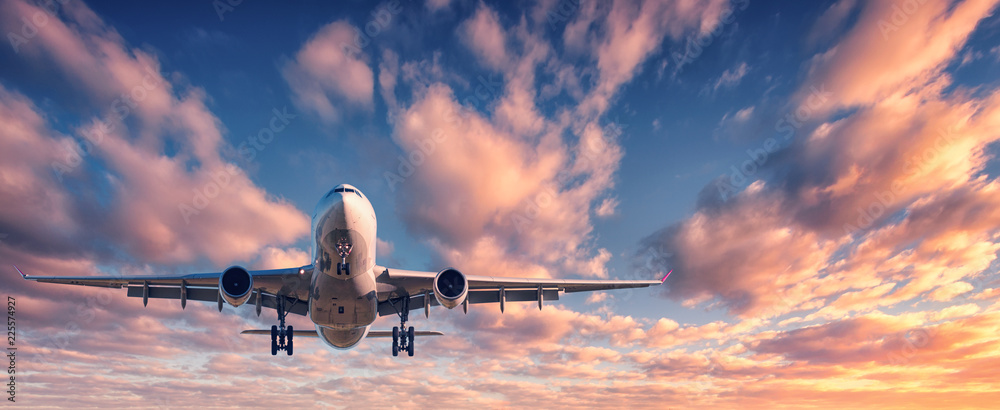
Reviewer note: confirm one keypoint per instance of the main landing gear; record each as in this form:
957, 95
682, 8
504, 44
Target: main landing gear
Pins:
402, 337
281, 337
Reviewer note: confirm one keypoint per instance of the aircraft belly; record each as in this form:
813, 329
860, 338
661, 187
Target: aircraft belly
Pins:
343, 304
341, 339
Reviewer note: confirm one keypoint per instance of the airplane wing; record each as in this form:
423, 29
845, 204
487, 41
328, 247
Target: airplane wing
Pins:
419, 286
292, 283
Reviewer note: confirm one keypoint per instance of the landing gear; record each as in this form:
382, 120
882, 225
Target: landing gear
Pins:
404, 343
402, 338
344, 268
281, 337
344, 250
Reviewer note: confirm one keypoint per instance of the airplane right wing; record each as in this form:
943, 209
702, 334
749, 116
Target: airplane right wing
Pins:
418, 286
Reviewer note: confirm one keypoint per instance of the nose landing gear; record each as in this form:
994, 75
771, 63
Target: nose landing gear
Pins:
344, 248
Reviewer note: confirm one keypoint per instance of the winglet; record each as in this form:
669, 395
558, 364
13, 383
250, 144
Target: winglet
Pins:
666, 276
23, 276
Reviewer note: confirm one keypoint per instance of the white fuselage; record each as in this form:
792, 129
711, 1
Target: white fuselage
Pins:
343, 306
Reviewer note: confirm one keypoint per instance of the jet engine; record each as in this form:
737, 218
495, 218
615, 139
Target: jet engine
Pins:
235, 285
450, 288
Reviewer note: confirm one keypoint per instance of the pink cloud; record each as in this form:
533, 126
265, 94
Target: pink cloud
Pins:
915, 44
329, 73
485, 36
160, 209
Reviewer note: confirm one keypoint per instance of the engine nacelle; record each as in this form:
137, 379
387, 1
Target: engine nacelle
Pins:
450, 288
235, 285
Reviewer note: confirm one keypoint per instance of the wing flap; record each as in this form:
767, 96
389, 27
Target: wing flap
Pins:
296, 306
475, 297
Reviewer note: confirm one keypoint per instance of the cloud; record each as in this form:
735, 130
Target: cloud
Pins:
484, 35
329, 73
437, 5
500, 165
607, 207
160, 208
277, 258
915, 44
840, 218
731, 77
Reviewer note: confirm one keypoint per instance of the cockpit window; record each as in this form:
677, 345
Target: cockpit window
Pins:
345, 190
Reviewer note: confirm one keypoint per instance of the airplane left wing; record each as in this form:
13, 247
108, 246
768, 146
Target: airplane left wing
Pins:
292, 283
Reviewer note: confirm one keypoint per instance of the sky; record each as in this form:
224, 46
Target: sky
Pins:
821, 177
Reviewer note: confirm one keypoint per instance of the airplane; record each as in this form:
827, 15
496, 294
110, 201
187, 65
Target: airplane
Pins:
343, 290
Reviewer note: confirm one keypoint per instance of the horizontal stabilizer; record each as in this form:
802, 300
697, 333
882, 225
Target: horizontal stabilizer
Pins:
388, 333
298, 333
371, 333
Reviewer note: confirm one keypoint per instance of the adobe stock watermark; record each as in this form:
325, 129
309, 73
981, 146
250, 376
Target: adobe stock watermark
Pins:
487, 89
911, 342
901, 13
122, 106
695, 45
562, 12
248, 150
884, 200
222, 7
255, 144
531, 209
30, 27
786, 126
381, 17
596, 148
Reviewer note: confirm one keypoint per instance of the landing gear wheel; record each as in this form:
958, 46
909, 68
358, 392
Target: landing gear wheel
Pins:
395, 348
274, 340
409, 339
344, 268
288, 347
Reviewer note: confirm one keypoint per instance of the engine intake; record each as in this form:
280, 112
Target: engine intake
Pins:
235, 285
450, 288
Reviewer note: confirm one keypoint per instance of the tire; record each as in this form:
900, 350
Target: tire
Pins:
274, 340
409, 337
395, 334
395, 348
288, 347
